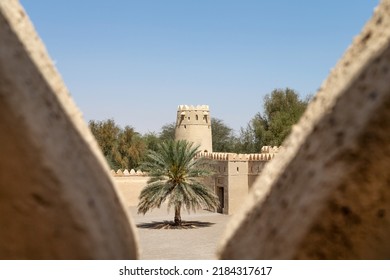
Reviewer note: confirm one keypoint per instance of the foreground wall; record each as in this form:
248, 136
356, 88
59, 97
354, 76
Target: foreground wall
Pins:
57, 199
327, 196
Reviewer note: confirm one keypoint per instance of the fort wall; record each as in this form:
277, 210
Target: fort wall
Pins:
130, 187
234, 176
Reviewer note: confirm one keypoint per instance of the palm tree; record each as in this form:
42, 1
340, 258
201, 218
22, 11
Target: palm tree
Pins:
174, 176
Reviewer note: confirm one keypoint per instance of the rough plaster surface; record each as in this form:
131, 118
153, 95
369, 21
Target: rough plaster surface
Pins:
193, 123
57, 199
129, 188
327, 196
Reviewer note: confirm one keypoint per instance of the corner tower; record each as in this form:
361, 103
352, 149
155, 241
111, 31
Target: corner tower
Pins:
193, 123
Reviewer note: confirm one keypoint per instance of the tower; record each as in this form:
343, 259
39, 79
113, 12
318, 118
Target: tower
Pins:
193, 123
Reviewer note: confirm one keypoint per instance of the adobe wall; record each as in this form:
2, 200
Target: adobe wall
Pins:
220, 185
57, 198
254, 170
327, 195
237, 185
193, 123
235, 174
130, 187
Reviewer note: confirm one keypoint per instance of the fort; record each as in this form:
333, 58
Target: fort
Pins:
326, 196
234, 175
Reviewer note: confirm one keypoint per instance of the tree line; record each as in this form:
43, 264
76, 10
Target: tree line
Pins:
125, 148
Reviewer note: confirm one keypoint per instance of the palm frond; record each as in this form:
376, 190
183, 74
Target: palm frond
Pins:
153, 195
175, 176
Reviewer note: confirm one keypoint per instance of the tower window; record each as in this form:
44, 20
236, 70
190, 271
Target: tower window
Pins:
238, 169
185, 126
196, 117
189, 118
182, 115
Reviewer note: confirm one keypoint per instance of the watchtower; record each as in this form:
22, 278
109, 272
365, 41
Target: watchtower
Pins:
193, 123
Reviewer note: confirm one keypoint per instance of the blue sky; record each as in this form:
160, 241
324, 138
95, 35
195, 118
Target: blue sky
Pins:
136, 61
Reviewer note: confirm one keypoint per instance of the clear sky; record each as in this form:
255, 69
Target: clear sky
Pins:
136, 61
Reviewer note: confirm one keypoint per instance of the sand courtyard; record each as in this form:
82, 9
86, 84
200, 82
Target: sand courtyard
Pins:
199, 243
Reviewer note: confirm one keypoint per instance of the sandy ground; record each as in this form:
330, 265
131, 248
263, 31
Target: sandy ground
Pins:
198, 243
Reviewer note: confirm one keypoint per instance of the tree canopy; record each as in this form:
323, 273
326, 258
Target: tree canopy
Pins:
176, 177
282, 109
126, 148
122, 148
222, 136
168, 132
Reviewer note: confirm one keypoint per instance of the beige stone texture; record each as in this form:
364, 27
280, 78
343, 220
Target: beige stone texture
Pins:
57, 199
130, 187
234, 176
237, 186
254, 170
193, 123
327, 195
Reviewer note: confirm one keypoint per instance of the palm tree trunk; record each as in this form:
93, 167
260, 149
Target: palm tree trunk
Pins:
177, 220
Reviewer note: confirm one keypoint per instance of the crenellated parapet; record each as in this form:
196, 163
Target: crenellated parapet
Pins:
267, 153
270, 149
193, 108
126, 172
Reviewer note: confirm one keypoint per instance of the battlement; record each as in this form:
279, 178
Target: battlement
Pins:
132, 172
193, 108
270, 149
267, 153
193, 115
237, 157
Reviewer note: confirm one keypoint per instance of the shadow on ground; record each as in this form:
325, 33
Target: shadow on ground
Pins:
171, 225
195, 243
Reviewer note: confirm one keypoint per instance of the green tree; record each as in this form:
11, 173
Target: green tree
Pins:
168, 132
282, 109
247, 140
223, 136
130, 148
151, 140
106, 133
176, 175
122, 148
